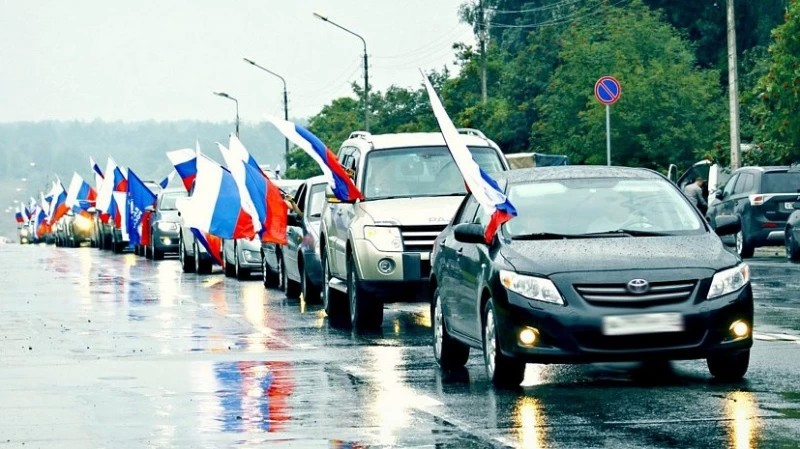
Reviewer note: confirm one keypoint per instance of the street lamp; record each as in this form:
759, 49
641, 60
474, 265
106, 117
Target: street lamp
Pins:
366, 67
224, 95
285, 105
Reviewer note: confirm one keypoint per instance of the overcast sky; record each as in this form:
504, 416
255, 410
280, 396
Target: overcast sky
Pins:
161, 59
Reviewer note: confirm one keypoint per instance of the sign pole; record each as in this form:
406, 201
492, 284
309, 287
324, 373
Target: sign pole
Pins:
608, 135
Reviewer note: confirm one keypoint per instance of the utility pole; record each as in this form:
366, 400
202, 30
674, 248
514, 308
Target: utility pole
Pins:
733, 88
366, 90
482, 41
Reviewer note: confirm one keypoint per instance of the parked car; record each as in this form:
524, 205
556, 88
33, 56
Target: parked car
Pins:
193, 256
378, 250
762, 198
601, 264
164, 224
792, 233
295, 267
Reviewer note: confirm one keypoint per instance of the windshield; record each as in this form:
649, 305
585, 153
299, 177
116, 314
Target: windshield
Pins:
168, 201
781, 182
421, 171
601, 205
315, 201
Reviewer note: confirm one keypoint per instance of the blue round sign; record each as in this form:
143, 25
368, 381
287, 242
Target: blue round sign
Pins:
607, 90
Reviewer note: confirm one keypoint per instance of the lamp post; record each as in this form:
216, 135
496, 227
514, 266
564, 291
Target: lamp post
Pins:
285, 105
224, 95
366, 67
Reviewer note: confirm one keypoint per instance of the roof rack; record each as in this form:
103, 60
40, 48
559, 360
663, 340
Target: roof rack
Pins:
472, 132
360, 134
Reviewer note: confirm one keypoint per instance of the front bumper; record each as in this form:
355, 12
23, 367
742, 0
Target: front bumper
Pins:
410, 274
249, 256
165, 241
569, 335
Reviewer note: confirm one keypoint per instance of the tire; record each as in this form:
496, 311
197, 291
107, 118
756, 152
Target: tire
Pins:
228, 269
448, 352
187, 262
744, 248
201, 266
238, 271
504, 372
270, 278
366, 310
334, 302
311, 292
153, 252
792, 247
730, 366
290, 287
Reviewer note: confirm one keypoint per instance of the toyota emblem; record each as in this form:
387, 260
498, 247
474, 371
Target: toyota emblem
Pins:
638, 286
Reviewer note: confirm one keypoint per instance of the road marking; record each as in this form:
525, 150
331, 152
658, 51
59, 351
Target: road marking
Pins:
775, 337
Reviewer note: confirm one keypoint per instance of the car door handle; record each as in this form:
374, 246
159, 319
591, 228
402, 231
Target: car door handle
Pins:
459, 252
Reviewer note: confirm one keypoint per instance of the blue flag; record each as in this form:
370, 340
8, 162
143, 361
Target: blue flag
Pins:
139, 197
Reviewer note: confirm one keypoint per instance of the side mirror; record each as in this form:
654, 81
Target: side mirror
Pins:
293, 219
719, 194
469, 233
727, 225
331, 198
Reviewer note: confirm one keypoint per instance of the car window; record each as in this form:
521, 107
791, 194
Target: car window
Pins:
740, 183
780, 182
316, 201
468, 211
728, 191
598, 205
420, 171
300, 197
749, 182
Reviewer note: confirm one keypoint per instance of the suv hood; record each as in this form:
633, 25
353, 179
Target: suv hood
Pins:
420, 211
548, 257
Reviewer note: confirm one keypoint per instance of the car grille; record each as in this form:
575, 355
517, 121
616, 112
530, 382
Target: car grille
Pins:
617, 295
595, 341
420, 238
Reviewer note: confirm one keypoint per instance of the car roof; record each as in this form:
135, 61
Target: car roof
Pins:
765, 168
398, 140
573, 172
170, 190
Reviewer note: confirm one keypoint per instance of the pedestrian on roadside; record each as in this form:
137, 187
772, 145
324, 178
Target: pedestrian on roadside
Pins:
695, 193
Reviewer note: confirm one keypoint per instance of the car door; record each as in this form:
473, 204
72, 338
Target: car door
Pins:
294, 237
341, 216
723, 205
473, 263
454, 287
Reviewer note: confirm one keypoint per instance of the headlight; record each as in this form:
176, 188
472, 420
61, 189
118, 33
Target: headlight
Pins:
384, 238
167, 226
82, 223
531, 287
728, 281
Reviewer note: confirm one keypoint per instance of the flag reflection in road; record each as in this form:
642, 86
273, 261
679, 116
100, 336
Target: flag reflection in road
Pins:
253, 395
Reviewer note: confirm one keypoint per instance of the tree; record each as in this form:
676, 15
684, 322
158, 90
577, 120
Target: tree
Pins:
777, 119
670, 110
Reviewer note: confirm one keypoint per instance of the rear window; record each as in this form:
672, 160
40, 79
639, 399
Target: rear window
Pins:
780, 182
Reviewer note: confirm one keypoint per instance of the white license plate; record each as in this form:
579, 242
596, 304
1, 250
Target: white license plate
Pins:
645, 323
788, 206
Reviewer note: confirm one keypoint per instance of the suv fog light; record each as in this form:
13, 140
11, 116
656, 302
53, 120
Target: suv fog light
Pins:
740, 329
166, 241
386, 266
528, 336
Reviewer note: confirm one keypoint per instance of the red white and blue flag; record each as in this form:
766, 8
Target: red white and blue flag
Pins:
185, 163
343, 187
80, 195
97, 172
58, 203
105, 190
138, 198
270, 209
18, 216
481, 185
215, 205
211, 243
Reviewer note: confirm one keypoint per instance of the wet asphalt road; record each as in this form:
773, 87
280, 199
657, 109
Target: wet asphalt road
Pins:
107, 351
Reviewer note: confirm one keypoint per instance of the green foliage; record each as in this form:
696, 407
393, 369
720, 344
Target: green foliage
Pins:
300, 165
776, 117
669, 111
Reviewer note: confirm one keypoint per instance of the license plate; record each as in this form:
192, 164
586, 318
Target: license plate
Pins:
788, 206
645, 323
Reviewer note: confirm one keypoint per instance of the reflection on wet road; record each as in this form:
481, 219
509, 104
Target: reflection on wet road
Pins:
101, 350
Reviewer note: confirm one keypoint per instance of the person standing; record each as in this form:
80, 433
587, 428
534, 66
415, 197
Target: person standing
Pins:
695, 193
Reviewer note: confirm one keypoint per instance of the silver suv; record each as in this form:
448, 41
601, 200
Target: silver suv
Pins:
378, 250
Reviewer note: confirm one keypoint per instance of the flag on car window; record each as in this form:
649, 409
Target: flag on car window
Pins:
185, 163
139, 197
80, 195
18, 216
58, 203
481, 185
98, 173
341, 184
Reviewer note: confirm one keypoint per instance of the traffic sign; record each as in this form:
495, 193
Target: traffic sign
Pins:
607, 90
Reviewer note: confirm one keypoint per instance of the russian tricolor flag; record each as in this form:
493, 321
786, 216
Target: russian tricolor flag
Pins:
58, 205
185, 163
215, 206
341, 184
482, 186
98, 173
80, 194
18, 216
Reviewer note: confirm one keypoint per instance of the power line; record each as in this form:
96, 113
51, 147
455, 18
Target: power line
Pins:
566, 19
539, 8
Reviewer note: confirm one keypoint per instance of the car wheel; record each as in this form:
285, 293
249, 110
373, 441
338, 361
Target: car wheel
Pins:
291, 287
270, 278
448, 352
201, 266
334, 302
187, 262
503, 371
729, 366
240, 272
743, 247
366, 310
311, 292
154, 253
227, 268
792, 246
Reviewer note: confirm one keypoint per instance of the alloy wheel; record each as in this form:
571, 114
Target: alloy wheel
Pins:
438, 328
490, 343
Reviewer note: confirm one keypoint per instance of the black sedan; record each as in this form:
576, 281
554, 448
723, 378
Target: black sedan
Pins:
601, 264
791, 234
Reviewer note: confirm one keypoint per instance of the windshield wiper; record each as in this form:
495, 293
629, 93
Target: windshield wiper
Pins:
629, 233
548, 236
